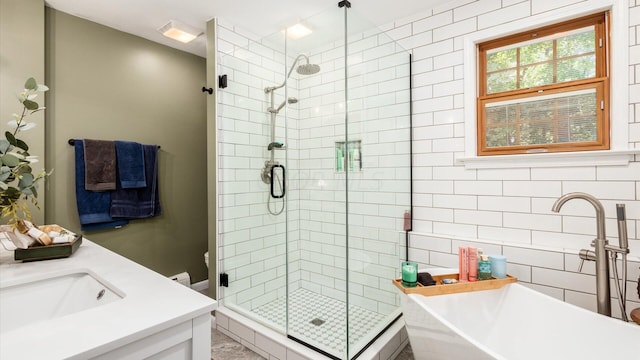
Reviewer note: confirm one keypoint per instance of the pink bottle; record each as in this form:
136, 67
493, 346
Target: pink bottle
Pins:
463, 264
473, 263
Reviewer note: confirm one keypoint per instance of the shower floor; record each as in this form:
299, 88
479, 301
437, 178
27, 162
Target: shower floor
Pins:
308, 308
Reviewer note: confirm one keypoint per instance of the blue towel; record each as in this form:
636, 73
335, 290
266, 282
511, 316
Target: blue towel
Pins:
140, 203
130, 158
93, 206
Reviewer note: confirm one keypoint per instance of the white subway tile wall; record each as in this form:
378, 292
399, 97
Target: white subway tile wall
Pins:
508, 211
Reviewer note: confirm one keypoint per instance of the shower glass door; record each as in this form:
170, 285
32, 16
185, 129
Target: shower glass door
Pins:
251, 143
317, 232
377, 176
314, 171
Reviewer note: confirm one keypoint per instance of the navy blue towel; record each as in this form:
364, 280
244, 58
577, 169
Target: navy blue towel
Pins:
144, 202
130, 158
93, 206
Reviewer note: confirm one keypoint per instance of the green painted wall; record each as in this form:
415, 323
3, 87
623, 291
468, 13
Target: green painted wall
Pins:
106, 84
21, 57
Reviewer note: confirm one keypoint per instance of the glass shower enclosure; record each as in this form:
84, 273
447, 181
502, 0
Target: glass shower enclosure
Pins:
314, 179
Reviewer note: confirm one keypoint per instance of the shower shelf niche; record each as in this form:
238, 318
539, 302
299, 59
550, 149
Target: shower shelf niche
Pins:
348, 155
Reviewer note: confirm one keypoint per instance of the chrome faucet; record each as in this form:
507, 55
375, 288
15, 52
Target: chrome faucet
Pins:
603, 293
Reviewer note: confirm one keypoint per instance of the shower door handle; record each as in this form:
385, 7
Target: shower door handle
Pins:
284, 185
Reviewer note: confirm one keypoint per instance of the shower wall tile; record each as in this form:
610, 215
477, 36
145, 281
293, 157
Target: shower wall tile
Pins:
539, 6
487, 218
504, 15
538, 258
499, 174
504, 203
438, 259
532, 221
475, 8
564, 280
478, 187
622, 190
430, 243
453, 173
433, 22
508, 235
455, 229
456, 29
532, 188
560, 240
487, 248
433, 49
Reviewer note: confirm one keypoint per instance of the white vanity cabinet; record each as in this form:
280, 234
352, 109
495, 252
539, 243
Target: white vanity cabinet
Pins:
148, 316
188, 340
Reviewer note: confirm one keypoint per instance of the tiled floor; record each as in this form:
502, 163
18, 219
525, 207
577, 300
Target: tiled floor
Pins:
225, 348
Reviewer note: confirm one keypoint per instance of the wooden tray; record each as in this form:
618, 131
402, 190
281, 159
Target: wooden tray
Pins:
56, 251
442, 289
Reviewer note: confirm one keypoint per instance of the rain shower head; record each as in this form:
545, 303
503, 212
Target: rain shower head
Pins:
302, 69
308, 69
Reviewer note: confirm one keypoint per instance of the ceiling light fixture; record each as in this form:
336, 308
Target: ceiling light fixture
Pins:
178, 31
298, 31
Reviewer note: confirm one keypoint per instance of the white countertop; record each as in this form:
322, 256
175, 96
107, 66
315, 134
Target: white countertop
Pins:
151, 303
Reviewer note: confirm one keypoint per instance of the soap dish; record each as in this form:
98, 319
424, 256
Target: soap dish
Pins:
56, 251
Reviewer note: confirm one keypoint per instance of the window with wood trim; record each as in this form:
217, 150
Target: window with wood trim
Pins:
545, 90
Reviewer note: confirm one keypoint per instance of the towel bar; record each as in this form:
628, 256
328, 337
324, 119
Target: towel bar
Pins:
72, 142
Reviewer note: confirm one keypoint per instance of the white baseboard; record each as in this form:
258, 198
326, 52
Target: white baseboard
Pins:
201, 285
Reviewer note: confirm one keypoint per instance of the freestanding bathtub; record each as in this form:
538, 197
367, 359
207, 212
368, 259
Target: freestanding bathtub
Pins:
513, 322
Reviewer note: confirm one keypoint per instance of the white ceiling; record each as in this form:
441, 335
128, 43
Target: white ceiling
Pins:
260, 17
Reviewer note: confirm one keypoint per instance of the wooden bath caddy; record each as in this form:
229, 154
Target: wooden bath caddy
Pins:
442, 289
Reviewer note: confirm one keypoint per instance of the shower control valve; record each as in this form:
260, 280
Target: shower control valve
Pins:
265, 174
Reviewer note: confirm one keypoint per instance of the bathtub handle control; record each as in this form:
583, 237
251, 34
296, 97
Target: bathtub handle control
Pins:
586, 255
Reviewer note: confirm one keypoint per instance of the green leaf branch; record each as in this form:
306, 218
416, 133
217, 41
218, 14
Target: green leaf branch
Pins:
18, 184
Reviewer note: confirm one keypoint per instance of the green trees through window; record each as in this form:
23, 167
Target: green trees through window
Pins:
544, 90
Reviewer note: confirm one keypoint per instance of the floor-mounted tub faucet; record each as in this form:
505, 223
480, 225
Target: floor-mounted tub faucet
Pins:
603, 293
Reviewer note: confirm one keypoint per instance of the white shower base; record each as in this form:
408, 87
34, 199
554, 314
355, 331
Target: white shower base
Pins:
307, 306
329, 336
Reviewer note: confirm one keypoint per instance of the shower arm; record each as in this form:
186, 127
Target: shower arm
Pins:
272, 88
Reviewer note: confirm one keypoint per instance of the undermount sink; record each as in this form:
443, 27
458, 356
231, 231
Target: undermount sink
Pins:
44, 299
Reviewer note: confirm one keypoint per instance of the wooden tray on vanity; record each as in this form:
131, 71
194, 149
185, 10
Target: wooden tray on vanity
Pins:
443, 289
48, 252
